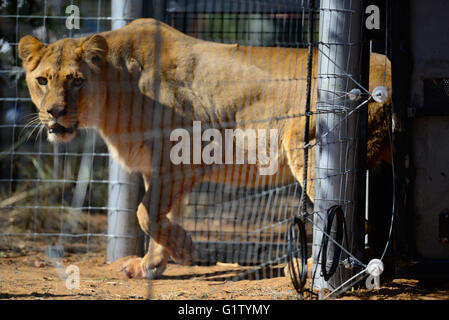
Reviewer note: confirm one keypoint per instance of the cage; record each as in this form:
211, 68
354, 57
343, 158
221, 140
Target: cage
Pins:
71, 203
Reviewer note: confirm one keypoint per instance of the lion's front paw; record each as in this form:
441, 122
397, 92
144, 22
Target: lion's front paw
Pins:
133, 268
149, 267
154, 265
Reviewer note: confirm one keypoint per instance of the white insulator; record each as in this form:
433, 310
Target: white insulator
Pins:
375, 267
354, 94
380, 94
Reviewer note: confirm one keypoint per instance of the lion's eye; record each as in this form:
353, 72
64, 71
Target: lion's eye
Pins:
78, 81
42, 81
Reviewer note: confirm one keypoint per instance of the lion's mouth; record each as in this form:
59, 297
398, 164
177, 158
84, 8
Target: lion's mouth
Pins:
60, 130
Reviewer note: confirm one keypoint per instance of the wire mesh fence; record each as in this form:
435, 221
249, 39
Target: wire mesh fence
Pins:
54, 197
258, 214
48, 191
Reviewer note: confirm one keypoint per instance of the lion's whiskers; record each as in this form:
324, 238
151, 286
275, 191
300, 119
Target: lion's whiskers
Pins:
33, 122
39, 132
37, 125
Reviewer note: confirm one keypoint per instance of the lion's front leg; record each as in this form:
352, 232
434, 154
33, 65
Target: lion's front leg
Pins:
163, 194
159, 215
154, 263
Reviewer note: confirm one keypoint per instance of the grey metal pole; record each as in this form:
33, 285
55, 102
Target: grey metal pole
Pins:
338, 159
123, 199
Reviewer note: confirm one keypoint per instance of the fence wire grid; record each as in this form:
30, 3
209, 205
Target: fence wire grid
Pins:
54, 197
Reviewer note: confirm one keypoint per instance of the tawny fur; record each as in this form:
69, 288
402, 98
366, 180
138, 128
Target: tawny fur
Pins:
146, 79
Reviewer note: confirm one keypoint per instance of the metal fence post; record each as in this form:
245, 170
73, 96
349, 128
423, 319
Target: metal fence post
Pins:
339, 161
123, 227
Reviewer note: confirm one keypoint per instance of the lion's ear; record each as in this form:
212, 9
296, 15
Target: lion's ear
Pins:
94, 50
29, 50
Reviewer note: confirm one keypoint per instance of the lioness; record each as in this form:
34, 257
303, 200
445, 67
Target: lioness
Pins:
137, 84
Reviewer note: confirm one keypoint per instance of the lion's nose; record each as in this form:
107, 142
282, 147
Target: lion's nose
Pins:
57, 111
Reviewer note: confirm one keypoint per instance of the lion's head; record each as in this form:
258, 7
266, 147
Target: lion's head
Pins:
63, 79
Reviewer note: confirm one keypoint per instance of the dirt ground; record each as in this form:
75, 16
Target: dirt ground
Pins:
36, 277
